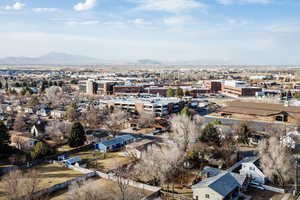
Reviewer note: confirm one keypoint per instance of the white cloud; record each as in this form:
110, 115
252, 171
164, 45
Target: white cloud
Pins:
87, 5
139, 21
172, 6
229, 2
177, 20
72, 23
45, 9
16, 6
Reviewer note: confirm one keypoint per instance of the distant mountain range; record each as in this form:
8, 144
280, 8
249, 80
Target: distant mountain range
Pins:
55, 58
52, 58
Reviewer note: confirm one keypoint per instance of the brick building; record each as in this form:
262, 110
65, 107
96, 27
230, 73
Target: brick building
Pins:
239, 89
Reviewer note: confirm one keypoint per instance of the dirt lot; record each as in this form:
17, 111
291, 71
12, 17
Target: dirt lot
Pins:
108, 187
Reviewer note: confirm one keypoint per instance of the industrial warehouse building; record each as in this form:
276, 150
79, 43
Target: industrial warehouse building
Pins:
261, 111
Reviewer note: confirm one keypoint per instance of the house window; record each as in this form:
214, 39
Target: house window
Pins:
207, 196
252, 168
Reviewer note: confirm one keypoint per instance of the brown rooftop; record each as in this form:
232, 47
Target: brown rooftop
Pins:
259, 108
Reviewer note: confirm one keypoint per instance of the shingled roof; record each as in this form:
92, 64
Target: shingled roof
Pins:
223, 183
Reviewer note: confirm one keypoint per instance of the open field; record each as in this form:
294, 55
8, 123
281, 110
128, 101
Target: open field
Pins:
64, 148
109, 188
102, 161
263, 194
50, 175
93, 155
113, 163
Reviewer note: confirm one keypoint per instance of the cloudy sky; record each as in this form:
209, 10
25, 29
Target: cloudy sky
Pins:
212, 31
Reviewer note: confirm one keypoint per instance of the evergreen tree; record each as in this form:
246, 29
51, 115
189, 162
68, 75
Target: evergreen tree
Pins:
24, 84
77, 136
185, 111
34, 101
60, 83
43, 86
216, 122
210, 135
6, 84
170, 92
4, 137
23, 91
179, 92
40, 150
244, 133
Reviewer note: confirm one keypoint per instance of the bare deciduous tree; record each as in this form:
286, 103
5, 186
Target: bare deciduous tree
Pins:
95, 117
146, 120
115, 121
184, 131
57, 130
20, 122
54, 95
276, 160
18, 185
90, 191
72, 113
85, 191
160, 165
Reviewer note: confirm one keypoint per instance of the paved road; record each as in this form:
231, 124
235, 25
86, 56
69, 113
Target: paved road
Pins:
257, 125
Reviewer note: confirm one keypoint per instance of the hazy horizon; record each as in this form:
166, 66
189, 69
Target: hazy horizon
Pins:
263, 32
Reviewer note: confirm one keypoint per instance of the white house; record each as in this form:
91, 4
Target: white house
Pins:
223, 186
250, 168
57, 114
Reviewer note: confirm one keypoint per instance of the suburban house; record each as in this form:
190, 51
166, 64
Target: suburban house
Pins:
28, 110
221, 186
96, 136
44, 112
57, 114
140, 148
22, 142
249, 167
115, 143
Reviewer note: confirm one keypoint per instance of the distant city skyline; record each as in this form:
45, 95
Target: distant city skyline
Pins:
213, 31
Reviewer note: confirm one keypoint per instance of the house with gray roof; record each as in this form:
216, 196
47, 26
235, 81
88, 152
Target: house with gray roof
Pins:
222, 186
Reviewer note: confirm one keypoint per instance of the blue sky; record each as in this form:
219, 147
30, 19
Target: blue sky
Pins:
210, 31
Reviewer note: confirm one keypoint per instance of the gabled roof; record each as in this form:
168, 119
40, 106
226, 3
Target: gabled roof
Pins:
112, 142
73, 160
223, 183
211, 171
251, 159
118, 140
126, 137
